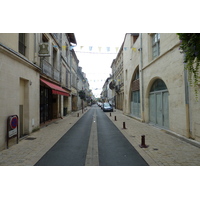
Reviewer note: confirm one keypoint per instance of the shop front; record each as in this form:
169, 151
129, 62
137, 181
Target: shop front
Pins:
50, 100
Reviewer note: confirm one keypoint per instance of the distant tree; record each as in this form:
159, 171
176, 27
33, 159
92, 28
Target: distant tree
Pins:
82, 97
82, 94
190, 46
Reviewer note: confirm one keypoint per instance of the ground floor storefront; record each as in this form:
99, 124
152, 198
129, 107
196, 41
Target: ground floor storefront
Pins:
51, 101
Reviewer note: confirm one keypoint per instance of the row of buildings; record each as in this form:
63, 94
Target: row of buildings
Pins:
149, 83
40, 80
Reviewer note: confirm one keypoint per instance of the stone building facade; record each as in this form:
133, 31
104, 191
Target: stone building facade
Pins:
19, 84
38, 79
107, 94
118, 77
156, 88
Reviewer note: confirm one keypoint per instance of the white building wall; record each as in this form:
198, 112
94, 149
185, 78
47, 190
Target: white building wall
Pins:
194, 113
169, 67
12, 70
131, 59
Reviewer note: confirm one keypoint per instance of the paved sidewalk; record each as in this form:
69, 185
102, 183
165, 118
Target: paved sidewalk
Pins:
164, 149
28, 151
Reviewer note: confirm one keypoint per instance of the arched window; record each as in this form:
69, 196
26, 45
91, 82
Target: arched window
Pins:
137, 75
135, 94
158, 85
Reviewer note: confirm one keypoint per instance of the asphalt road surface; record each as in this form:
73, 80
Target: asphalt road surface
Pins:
74, 148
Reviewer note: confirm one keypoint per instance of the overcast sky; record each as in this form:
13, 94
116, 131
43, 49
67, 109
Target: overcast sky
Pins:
95, 52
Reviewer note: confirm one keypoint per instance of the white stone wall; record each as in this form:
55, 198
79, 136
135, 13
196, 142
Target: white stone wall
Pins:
109, 91
131, 59
12, 70
10, 40
194, 114
169, 67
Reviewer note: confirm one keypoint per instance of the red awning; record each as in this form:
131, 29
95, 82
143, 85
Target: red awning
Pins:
55, 88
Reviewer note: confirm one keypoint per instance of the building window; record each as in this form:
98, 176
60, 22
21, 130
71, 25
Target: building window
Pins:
22, 46
45, 40
68, 79
136, 97
135, 94
135, 37
55, 35
155, 45
137, 75
73, 80
55, 58
126, 74
135, 84
158, 85
66, 51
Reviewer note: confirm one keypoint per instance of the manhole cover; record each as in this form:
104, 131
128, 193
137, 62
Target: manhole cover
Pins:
30, 138
155, 149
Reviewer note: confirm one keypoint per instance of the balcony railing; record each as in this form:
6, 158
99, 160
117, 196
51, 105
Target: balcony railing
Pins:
56, 75
48, 69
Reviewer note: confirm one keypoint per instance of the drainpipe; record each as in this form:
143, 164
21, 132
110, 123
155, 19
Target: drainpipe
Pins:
141, 75
70, 58
187, 103
70, 82
34, 60
61, 96
61, 59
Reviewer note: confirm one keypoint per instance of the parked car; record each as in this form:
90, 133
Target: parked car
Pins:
107, 107
99, 104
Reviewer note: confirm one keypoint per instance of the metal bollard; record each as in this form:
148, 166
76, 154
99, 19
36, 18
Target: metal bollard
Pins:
115, 118
110, 114
143, 145
124, 125
77, 114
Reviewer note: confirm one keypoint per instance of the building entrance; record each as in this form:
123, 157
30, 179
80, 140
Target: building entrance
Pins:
158, 104
46, 101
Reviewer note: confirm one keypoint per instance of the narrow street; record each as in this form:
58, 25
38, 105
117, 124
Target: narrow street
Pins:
93, 140
114, 148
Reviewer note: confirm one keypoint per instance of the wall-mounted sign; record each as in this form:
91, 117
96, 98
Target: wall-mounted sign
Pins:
12, 127
44, 50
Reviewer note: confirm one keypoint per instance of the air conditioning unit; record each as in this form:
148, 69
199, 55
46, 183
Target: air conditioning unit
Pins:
44, 50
